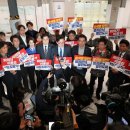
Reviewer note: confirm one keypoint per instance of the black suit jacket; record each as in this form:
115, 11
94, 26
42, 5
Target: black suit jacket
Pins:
40, 50
31, 33
126, 55
87, 51
67, 51
22, 44
12, 50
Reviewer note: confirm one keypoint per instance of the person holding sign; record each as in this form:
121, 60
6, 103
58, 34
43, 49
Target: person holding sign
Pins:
46, 52
116, 78
101, 52
11, 78
14, 49
31, 70
83, 50
60, 51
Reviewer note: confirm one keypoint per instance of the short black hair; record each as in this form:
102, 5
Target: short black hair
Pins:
104, 40
9, 121
60, 37
82, 36
30, 38
20, 26
2, 43
2, 34
85, 100
45, 35
29, 23
72, 31
57, 126
124, 41
13, 36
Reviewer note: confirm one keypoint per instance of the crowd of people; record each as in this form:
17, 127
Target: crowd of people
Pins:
86, 114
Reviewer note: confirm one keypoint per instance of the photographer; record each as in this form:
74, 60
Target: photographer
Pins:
24, 110
80, 87
92, 116
44, 109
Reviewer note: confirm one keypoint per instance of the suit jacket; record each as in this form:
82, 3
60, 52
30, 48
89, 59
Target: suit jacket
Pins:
67, 51
22, 42
126, 55
31, 33
40, 50
87, 51
12, 50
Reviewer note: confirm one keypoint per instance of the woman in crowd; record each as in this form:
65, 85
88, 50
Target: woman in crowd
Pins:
38, 39
31, 70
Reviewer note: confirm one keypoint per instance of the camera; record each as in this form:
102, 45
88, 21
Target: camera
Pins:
29, 117
61, 83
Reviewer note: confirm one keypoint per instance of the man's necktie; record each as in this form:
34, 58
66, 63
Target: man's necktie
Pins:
120, 54
60, 52
45, 51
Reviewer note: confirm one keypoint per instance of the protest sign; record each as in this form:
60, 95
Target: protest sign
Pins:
31, 60
82, 61
120, 64
101, 29
75, 22
117, 33
66, 60
71, 43
42, 64
100, 63
55, 23
22, 55
9, 64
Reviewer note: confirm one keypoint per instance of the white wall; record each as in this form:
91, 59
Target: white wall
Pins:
123, 18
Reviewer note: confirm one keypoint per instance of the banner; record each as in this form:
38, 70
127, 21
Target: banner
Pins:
101, 29
31, 60
75, 22
1, 71
22, 55
120, 64
66, 60
82, 61
71, 43
55, 23
42, 64
117, 33
100, 63
9, 64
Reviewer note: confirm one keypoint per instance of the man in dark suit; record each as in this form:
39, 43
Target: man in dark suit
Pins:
31, 32
14, 49
61, 50
45, 51
117, 78
81, 49
22, 36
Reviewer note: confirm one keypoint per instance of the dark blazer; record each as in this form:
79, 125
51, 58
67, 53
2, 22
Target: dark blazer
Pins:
87, 51
12, 50
40, 50
22, 42
31, 33
67, 51
126, 55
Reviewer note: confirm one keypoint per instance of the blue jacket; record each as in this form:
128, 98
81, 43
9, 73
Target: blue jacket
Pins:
30, 52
